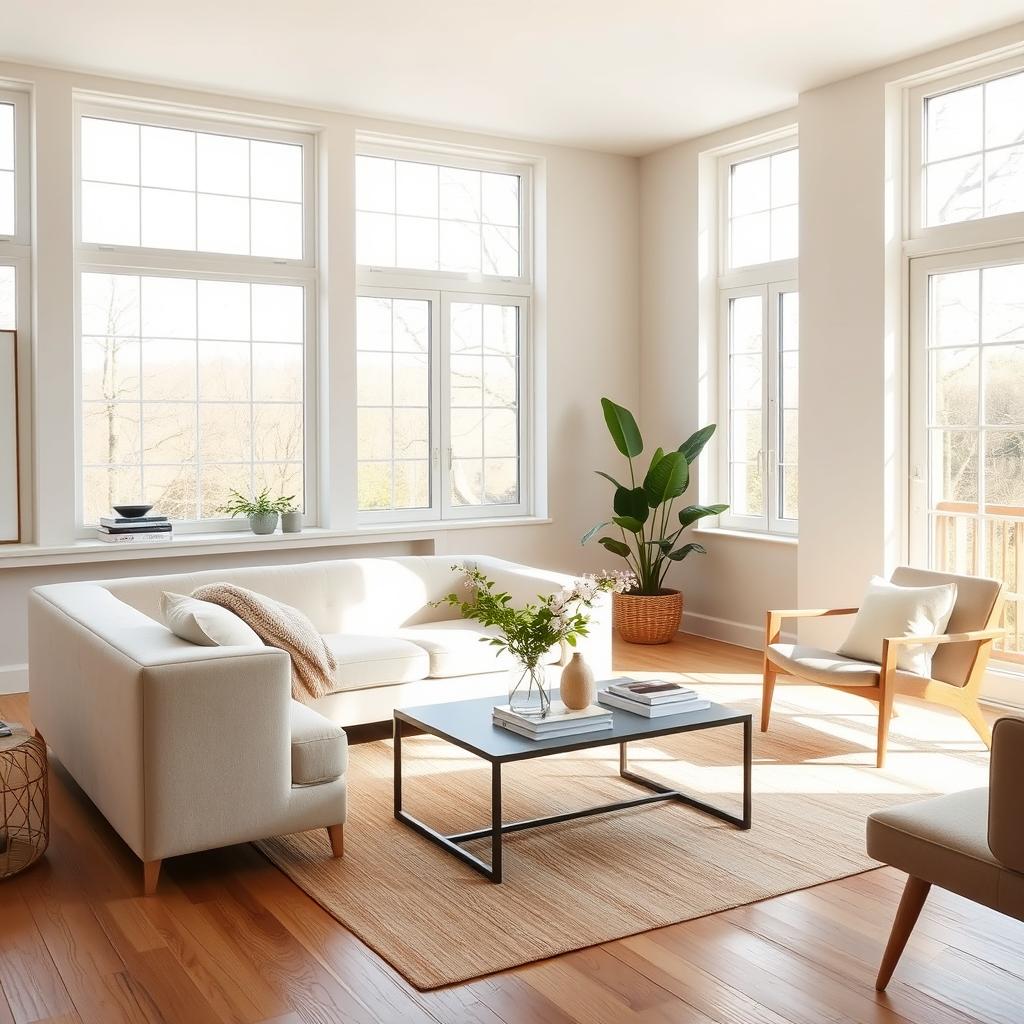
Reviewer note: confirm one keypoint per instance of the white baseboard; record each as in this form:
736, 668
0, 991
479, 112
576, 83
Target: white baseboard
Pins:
742, 634
13, 678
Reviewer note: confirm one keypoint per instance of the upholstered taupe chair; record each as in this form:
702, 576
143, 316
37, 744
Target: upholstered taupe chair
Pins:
971, 843
958, 664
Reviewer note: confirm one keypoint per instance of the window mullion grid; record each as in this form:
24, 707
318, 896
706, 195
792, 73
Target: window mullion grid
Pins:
981, 443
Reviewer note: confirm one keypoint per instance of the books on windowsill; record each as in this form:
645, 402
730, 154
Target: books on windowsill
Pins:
143, 530
654, 698
559, 723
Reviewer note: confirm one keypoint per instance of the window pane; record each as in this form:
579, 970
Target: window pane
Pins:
785, 233
786, 178
110, 214
1004, 181
500, 193
747, 327
375, 184
460, 246
223, 224
1004, 111
789, 324
415, 189
750, 239
7, 203
1003, 315
276, 229
954, 374
168, 158
790, 493
954, 460
416, 243
750, 186
176, 389
375, 239
953, 317
1003, 384
953, 123
8, 302
746, 436
110, 151
484, 414
1004, 468
393, 395
222, 165
747, 495
168, 219
953, 190
276, 171
7, 136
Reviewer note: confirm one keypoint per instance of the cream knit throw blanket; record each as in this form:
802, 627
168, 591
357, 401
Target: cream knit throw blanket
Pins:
279, 625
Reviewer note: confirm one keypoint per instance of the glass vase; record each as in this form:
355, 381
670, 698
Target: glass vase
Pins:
528, 691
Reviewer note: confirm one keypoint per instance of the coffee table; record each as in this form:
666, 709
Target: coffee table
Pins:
467, 724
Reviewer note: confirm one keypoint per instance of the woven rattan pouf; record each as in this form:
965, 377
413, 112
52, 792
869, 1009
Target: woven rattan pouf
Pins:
24, 801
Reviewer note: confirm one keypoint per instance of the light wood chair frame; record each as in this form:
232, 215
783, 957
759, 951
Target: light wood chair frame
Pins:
960, 698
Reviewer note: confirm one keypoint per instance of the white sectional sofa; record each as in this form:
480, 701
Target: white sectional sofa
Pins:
185, 748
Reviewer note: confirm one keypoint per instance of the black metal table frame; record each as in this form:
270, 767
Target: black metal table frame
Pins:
497, 829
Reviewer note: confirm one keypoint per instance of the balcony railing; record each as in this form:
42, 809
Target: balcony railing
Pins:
989, 543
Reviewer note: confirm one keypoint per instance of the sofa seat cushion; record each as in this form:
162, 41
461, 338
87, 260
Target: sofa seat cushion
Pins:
456, 648
944, 840
375, 660
319, 747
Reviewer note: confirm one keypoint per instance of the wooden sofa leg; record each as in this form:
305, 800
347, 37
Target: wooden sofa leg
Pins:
884, 718
914, 895
150, 876
767, 693
336, 833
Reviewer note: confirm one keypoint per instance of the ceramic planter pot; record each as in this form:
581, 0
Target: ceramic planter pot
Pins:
643, 619
266, 523
291, 522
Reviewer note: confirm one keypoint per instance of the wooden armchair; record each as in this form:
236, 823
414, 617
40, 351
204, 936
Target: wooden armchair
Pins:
958, 665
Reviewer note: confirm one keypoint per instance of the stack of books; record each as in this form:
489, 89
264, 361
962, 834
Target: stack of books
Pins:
115, 529
559, 722
654, 698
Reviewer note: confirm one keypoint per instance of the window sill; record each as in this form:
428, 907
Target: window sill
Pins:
19, 555
770, 538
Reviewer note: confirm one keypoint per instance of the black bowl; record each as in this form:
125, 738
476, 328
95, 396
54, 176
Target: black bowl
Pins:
132, 511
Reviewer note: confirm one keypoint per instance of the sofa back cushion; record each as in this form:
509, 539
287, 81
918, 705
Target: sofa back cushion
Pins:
349, 595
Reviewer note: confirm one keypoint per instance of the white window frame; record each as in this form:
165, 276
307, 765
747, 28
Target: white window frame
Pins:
769, 281
22, 170
146, 261
983, 230
16, 252
443, 287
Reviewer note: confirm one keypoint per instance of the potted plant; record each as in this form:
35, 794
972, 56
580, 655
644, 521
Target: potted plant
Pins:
649, 533
261, 511
291, 517
528, 633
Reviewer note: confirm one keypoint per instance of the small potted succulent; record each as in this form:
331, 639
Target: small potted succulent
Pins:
261, 511
291, 517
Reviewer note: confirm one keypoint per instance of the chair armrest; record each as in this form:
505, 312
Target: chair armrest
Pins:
1006, 795
774, 617
972, 636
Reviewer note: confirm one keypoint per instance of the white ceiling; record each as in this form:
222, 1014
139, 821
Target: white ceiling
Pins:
605, 75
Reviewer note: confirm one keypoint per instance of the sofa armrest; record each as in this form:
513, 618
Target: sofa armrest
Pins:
1006, 796
171, 741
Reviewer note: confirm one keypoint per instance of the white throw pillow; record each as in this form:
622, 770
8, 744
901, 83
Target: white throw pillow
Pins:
205, 623
889, 610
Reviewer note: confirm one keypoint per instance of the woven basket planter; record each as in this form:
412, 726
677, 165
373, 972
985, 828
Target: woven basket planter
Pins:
648, 620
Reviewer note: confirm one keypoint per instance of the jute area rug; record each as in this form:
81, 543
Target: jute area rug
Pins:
572, 885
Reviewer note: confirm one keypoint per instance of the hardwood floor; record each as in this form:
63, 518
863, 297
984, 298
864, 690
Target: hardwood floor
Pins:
228, 938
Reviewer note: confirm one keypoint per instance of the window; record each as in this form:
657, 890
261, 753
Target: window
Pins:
8, 205
425, 216
762, 209
759, 329
973, 157
442, 353
194, 375
967, 441
172, 188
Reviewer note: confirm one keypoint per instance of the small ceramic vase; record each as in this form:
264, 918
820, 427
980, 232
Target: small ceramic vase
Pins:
577, 688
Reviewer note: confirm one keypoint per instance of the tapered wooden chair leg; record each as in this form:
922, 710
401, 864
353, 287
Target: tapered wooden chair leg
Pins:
337, 837
884, 718
150, 876
767, 693
909, 910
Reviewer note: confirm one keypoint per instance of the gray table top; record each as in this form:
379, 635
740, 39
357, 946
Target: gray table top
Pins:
467, 724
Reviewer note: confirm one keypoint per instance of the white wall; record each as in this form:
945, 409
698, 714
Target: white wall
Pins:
587, 299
